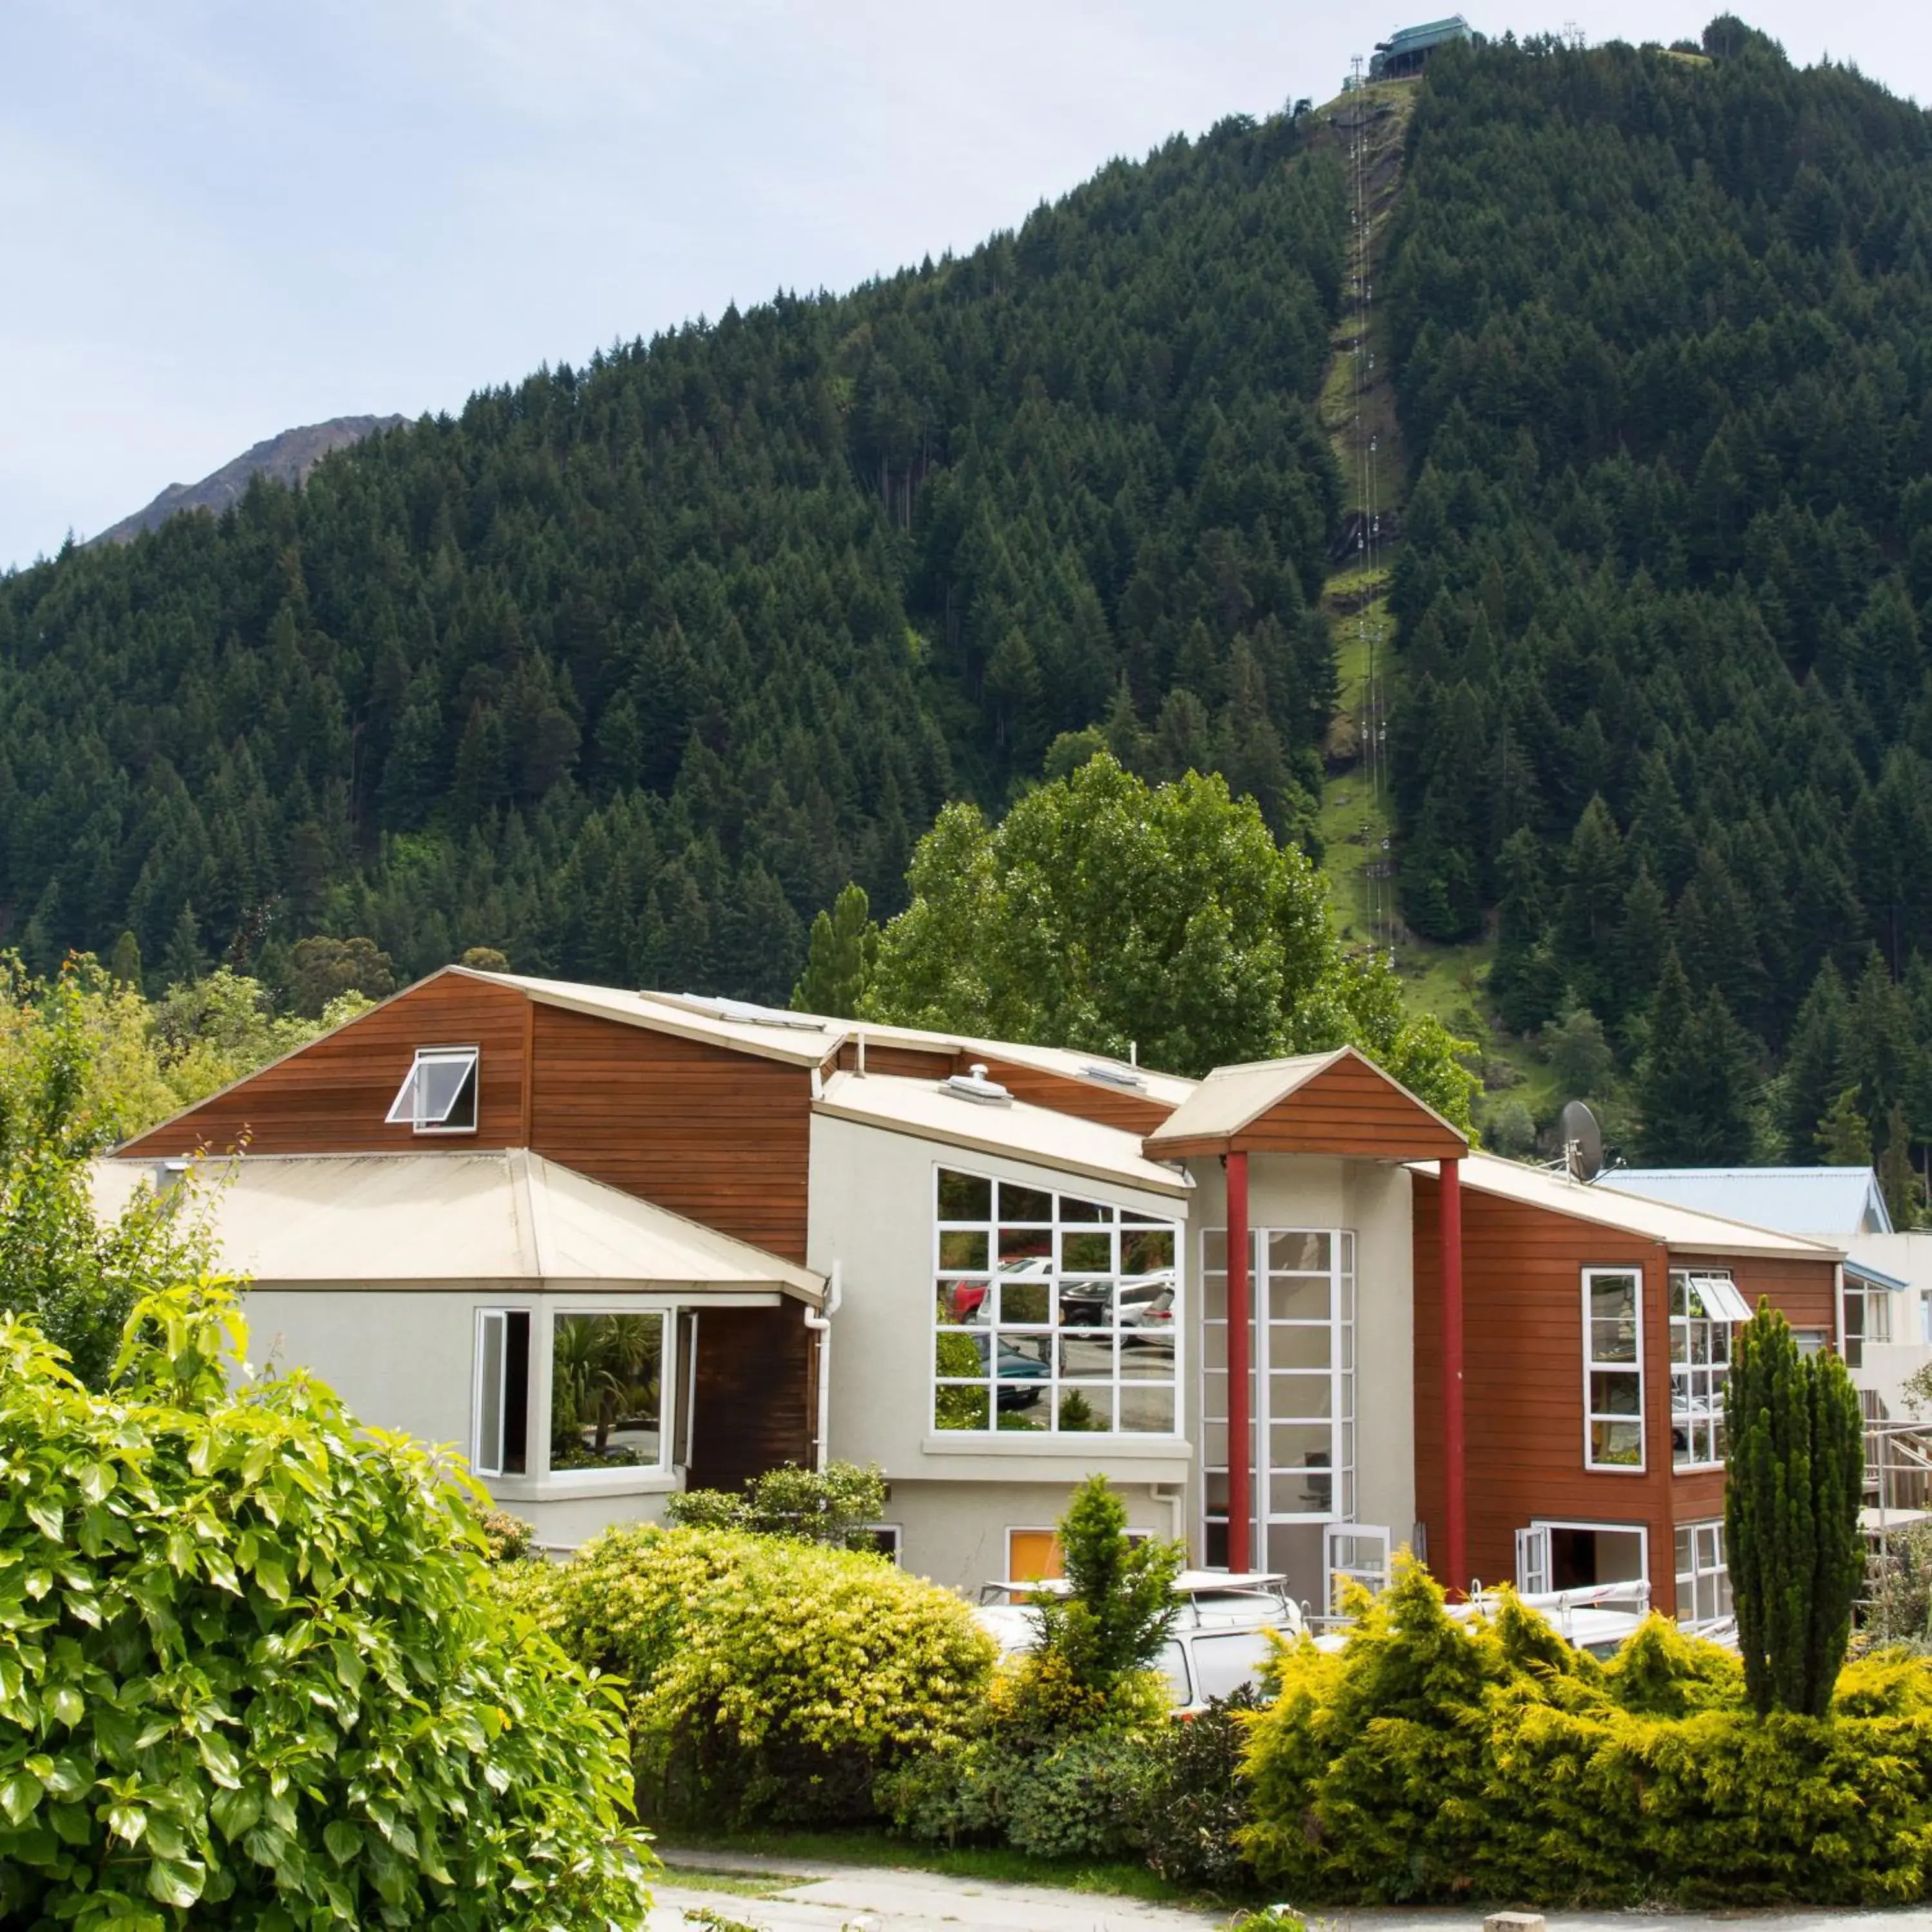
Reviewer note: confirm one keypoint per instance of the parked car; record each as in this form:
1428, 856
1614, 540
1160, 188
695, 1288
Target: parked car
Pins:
1225, 1633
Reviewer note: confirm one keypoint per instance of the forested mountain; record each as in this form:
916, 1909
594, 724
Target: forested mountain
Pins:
1663, 335
627, 670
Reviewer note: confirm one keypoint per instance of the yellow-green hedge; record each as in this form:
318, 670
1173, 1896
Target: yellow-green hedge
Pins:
1438, 1762
770, 1678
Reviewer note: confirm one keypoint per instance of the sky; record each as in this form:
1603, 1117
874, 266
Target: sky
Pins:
222, 219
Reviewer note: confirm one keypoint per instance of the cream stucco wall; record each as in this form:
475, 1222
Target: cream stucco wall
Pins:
955, 1533
406, 1360
872, 1214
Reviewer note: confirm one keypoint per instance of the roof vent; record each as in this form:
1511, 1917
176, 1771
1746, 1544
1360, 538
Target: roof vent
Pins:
1115, 1076
975, 1086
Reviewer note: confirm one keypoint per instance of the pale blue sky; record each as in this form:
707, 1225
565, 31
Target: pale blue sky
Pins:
221, 219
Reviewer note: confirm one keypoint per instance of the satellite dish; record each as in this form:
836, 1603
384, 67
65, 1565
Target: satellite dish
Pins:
1582, 1141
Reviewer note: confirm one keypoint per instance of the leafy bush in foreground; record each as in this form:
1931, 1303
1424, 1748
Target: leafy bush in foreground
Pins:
1433, 1761
251, 1675
773, 1679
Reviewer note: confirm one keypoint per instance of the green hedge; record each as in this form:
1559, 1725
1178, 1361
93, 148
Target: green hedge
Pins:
1433, 1761
772, 1680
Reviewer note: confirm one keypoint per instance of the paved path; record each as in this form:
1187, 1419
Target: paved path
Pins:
869, 1898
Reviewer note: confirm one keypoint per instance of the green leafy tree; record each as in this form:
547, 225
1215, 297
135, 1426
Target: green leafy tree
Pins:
1791, 1514
321, 969
843, 953
1120, 1605
265, 1682
1106, 914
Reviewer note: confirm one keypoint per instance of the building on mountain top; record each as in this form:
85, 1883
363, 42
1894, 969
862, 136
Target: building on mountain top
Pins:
613, 1244
1408, 51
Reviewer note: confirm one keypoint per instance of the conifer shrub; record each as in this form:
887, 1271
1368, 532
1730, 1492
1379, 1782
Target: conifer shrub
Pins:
251, 1674
772, 1680
1431, 1761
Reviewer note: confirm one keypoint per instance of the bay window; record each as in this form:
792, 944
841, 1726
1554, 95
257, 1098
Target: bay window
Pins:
1613, 1369
1052, 1312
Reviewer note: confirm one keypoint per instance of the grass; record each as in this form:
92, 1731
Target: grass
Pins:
871, 1845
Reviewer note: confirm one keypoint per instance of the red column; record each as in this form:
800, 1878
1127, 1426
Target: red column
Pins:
1241, 1374
1454, 1574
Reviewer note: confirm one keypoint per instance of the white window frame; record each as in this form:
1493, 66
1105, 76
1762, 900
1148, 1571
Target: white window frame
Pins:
1069, 1186
1723, 1309
407, 1110
487, 1460
1373, 1577
896, 1556
621, 1474
1541, 1526
1591, 1366
1532, 1560
1709, 1532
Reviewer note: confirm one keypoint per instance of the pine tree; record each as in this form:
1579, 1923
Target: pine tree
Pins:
1895, 1176
1791, 1514
1843, 1139
844, 948
1697, 1087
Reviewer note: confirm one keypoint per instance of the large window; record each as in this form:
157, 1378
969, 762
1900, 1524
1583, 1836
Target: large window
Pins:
607, 1391
1704, 1308
1703, 1573
1613, 1369
1052, 1311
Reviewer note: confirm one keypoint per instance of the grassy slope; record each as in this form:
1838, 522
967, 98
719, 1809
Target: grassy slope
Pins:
1448, 981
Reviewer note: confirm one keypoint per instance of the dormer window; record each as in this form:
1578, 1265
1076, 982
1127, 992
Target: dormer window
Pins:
438, 1095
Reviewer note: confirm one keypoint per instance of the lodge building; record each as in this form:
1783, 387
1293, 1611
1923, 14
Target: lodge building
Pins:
611, 1244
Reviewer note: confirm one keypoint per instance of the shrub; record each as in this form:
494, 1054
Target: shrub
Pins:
1194, 1803
831, 1505
506, 1538
773, 1679
251, 1673
1120, 1605
1433, 1761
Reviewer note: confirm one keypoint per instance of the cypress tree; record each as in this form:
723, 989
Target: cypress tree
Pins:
1791, 1514
843, 945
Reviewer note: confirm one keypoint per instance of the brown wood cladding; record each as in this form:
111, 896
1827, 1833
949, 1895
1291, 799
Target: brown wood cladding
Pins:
1522, 1340
754, 1407
1351, 1108
1059, 1093
331, 1096
910, 1063
723, 1138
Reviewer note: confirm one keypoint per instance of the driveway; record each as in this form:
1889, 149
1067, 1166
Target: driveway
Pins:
866, 1898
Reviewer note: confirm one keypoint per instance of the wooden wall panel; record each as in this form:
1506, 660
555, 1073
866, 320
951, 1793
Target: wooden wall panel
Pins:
722, 1137
331, 1096
1085, 1100
910, 1063
1350, 1108
1522, 1368
754, 1394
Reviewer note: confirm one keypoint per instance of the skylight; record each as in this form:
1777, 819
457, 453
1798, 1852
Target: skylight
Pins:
438, 1095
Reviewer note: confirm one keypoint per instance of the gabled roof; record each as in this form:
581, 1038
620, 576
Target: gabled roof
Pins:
447, 1219
1684, 1230
1834, 1201
1339, 1102
1039, 1135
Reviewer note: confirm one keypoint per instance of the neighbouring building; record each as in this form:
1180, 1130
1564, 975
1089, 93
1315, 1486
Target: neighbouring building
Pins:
610, 1244
1409, 50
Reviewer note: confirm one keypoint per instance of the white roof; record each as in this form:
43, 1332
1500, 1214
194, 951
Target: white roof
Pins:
1836, 1202
809, 1039
397, 1220
1683, 1229
1063, 1141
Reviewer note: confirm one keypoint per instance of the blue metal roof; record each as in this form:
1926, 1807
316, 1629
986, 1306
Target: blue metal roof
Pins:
1834, 1202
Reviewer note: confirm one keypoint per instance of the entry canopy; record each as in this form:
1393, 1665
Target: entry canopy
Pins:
1340, 1102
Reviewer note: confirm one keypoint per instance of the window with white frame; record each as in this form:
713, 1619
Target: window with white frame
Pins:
1705, 1307
1613, 1369
1703, 1574
1052, 1311
438, 1095
606, 1391
501, 1439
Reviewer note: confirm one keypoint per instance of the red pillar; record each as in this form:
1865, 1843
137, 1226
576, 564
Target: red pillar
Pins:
1241, 1374
1455, 1571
